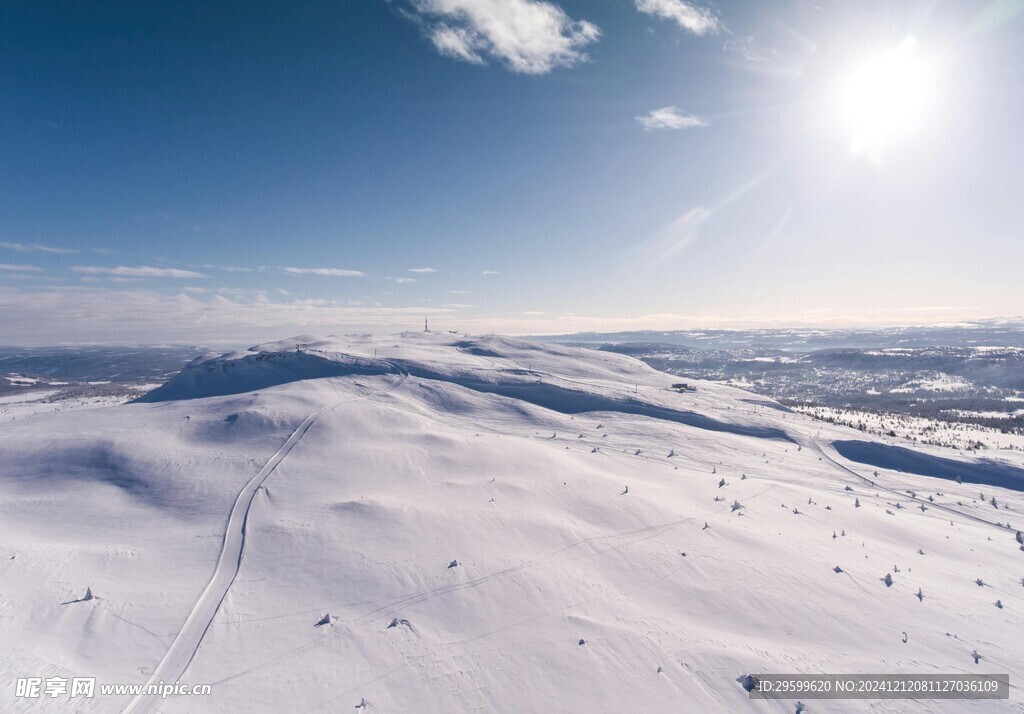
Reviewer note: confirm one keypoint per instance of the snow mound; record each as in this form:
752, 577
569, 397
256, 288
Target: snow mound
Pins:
235, 373
547, 376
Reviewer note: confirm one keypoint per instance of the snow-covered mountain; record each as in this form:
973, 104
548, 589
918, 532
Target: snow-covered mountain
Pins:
432, 522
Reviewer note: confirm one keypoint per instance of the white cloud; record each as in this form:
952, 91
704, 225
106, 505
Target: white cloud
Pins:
457, 305
460, 292
528, 36
535, 312
698, 20
37, 248
20, 268
421, 270
329, 272
489, 272
669, 118
457, 43
143, 271
404, 280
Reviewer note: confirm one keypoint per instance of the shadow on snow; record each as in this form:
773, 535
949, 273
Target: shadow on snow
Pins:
885, 456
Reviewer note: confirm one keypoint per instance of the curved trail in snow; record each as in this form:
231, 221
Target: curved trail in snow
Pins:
183, 650
816, 446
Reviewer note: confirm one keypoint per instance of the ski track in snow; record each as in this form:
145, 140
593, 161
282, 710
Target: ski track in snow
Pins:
186, 644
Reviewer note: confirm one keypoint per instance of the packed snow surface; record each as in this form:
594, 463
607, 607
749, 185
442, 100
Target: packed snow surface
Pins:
434, 522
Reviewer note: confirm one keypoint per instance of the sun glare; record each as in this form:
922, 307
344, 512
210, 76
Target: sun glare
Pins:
883, 99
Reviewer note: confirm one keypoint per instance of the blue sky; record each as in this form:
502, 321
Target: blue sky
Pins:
205, 171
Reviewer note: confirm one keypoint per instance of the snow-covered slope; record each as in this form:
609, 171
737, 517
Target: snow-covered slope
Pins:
482, 524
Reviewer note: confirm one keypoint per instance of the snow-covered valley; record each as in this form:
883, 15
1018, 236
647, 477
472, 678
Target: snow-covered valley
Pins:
433, 522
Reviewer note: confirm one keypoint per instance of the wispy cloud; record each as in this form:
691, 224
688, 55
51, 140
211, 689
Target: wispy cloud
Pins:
698, 20
457, 306
402, 280
421, 270
237, 269
489, 272
669, 118
535, 312
750, 49
142, 271
528, 36
460, 292
457, 43
159, 215
329, 272
20, 268
226, 268
134, 315
37, 248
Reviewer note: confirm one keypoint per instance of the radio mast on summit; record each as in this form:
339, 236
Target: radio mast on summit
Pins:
425, 328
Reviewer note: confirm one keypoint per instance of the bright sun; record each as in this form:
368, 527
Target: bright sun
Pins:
883, 99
